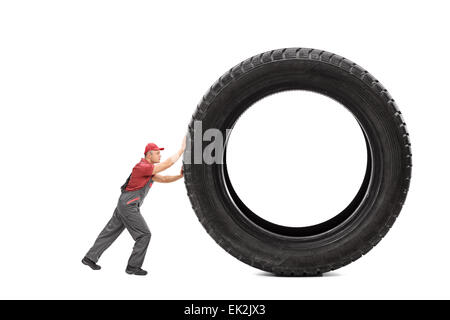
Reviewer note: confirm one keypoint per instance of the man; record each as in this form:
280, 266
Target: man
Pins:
127, 213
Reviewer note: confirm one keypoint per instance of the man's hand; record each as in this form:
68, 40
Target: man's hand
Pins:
171, 160
167, 179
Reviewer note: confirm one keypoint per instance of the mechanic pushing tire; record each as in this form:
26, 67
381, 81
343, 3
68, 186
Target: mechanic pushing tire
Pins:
308, 250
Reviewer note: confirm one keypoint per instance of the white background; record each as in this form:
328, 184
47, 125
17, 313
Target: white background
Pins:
84, 85
314, 145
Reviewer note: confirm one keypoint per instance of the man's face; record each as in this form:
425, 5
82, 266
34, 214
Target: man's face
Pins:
155, 156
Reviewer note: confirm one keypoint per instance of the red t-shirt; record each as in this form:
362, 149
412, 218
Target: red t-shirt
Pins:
140, 175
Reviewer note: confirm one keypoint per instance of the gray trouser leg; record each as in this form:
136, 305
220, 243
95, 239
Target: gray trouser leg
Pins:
136, 225
110, 233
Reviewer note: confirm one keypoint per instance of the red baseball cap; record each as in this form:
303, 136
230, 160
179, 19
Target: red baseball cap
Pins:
151, 146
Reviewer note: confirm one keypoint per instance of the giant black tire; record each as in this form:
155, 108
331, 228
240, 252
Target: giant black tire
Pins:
310, 250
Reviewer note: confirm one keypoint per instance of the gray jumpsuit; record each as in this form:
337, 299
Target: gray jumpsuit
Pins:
126, 215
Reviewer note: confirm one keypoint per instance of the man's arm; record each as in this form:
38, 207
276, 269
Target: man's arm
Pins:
167, 179
171, 160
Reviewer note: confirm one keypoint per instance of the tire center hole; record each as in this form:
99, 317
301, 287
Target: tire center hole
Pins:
296, 158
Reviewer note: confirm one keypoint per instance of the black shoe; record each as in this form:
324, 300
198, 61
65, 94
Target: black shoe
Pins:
136, 271
90, 263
